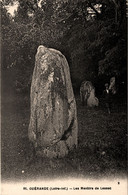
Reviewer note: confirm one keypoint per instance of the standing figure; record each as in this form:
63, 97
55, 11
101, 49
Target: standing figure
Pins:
112, 86
107, 97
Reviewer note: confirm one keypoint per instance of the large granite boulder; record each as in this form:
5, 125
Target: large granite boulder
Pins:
53, 120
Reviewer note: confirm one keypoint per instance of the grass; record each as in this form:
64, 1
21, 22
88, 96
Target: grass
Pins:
101, 150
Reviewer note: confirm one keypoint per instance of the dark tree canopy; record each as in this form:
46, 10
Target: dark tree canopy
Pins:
90, 33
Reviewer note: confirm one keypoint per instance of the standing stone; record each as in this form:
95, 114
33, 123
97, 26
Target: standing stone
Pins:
87, 94
92, 100
53, 125
85, 89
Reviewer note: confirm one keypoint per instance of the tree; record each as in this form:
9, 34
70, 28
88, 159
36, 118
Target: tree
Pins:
90, 33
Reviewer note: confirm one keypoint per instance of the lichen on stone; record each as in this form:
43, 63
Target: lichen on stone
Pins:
53, 107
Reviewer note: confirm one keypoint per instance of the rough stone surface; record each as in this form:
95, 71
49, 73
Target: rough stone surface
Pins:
92, 100
87, 94
53, 120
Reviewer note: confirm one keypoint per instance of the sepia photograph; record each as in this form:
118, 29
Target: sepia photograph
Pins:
63, 97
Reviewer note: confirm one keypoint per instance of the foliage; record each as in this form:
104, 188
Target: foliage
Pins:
91, 34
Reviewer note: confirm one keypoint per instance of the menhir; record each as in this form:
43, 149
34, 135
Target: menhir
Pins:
53, 127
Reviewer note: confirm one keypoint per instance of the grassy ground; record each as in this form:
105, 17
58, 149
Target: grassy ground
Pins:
101, 150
